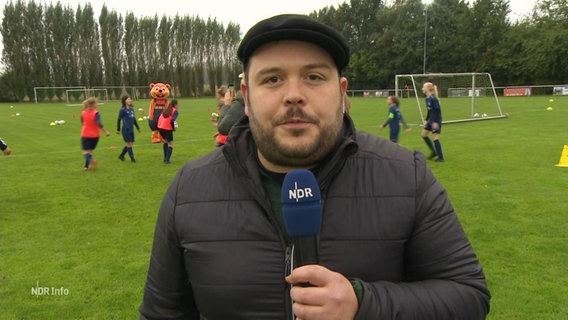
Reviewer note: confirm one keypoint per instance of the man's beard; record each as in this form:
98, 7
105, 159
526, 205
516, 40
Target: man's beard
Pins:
295, 155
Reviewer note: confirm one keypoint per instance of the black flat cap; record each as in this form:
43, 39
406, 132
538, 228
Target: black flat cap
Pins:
295, 27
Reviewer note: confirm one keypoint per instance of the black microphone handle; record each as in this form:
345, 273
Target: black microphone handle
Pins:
305, 251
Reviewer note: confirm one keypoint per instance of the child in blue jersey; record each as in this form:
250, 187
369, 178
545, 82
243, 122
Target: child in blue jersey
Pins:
394, 119
433, 122
128, 119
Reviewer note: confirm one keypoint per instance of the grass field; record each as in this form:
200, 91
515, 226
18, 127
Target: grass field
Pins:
87, 235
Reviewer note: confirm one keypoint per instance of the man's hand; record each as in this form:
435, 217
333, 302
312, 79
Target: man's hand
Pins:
331, 295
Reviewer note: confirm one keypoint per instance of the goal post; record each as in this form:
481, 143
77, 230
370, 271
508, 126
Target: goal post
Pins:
52, 93
463, 96
75, 97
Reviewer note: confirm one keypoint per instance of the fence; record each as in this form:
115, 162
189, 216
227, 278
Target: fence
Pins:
535, 90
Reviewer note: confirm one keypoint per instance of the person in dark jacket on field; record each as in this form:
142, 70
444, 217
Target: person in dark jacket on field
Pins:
390, 245
232, 110
234, 113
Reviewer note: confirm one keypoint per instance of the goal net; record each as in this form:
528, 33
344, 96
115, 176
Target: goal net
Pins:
463, 96
75, 97
51, 94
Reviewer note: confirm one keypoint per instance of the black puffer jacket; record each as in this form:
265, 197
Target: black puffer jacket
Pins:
219, 253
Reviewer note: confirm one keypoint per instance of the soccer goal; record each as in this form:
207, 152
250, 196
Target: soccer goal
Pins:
52, 93
463, 96
75, 97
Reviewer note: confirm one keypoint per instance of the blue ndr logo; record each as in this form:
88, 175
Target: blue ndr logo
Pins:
298, 193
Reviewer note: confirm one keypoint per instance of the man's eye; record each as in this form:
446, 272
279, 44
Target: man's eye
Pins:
272, 80
314, 77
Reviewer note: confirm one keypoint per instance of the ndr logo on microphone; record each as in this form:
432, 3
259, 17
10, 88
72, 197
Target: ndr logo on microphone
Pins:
49, 291
300, 193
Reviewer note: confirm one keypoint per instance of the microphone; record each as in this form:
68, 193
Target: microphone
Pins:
302, 213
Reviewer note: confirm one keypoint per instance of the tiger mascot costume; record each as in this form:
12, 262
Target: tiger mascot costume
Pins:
159, 92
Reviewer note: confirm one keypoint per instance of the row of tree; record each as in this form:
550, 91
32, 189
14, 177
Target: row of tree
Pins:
55, 45
389, 39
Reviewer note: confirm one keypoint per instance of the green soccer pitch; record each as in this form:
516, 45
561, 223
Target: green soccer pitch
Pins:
76, 245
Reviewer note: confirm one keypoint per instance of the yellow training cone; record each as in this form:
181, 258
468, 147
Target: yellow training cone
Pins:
549, 108
563, 158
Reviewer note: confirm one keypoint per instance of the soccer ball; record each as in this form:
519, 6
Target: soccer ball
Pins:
476, 115
484, 115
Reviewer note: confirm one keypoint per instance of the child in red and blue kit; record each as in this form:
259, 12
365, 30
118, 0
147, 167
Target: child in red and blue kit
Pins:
167, 125
91, 127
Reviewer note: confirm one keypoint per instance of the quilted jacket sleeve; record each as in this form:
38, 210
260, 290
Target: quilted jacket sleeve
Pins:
167, 294
444, 279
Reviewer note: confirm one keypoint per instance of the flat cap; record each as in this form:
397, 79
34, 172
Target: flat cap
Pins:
295, 27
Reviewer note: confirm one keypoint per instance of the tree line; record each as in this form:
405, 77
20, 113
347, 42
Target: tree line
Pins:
56, 45
387, 38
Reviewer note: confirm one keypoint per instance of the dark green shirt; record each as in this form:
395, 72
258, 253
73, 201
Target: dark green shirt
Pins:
272, 183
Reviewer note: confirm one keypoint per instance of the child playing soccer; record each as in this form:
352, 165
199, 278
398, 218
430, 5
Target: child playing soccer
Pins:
433, 122
167, 125
91, 126
394, 119
127, 117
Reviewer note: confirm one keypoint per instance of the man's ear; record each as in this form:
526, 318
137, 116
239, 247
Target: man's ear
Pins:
343, 84
244, 91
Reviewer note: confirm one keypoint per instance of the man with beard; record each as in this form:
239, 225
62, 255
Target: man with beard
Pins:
390, 244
